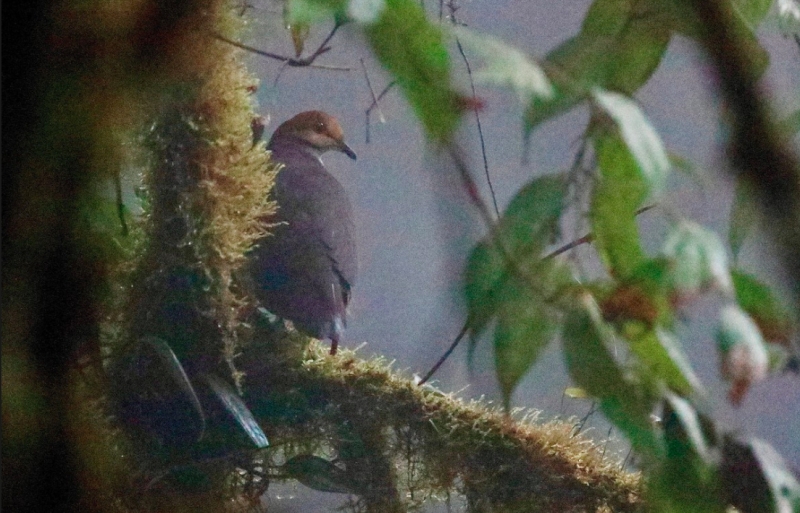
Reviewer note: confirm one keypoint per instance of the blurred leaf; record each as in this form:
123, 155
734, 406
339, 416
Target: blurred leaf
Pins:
524, 328
751, 12
685, 435
756, 478
299, 33
789, 17
790, 125
686, 480
308, 12
529, 223
642, 297
743, 217
698, 260
319, 474
505, 65
409, 46
238, 410
618, 193
639, 135
619, 47
576, 393
772, 318
665, 360
744, 356
412, 49
593, 368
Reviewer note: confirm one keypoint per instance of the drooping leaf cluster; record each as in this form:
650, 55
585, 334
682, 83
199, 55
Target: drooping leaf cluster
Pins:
620, 332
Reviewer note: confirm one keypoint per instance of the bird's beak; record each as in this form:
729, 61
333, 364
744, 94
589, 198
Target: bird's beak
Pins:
347, 150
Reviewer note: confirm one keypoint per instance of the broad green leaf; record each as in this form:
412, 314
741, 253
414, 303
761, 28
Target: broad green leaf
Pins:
664, 360
524, 328
618, 193
308, 12
506, 66
698, 260
619, 47
756, 478
639, 135
592, 367
412, 49
529, 223
754, 297
751, 12
484, 276
743, 217
319, 474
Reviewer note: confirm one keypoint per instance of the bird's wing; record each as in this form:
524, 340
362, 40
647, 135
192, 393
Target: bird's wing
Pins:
320, 223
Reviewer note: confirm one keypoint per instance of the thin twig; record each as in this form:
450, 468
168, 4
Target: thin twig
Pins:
446, 354
374, 105
120, 204
453, 8
292, 61
585, 239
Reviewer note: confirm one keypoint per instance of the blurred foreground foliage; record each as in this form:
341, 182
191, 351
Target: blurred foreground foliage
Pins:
76, 292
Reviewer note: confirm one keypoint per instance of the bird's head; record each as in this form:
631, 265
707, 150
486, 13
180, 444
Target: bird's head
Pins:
320, 130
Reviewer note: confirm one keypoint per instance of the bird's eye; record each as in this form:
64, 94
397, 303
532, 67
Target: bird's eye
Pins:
320, 127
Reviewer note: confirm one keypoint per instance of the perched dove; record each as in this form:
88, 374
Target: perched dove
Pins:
304, 270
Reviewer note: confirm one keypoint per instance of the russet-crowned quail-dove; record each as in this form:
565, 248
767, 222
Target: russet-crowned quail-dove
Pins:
304, 270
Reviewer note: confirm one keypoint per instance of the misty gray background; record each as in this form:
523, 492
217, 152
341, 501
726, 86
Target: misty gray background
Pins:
414, 233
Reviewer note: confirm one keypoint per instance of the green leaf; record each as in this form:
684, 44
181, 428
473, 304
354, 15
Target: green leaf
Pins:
751, 12
772, 318
529, 223
639, 135
619, 47
698, 260
505, 65
524, 329
686, 480
593, 368
664, 359
308, 12
743, 217
319, 474
412, 50
618, 193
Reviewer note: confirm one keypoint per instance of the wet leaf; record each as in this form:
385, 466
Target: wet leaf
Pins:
744, 356
616, 196
524, 329
640, 137
319, 474
505, 65
618, 48
772, 318
744, 216
698, 260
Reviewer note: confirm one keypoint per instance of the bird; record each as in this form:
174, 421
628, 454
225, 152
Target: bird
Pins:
304, 269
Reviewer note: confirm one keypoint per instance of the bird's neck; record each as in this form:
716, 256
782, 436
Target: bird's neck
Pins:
290, 143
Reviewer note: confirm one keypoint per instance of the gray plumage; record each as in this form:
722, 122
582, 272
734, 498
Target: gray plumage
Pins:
305, 269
